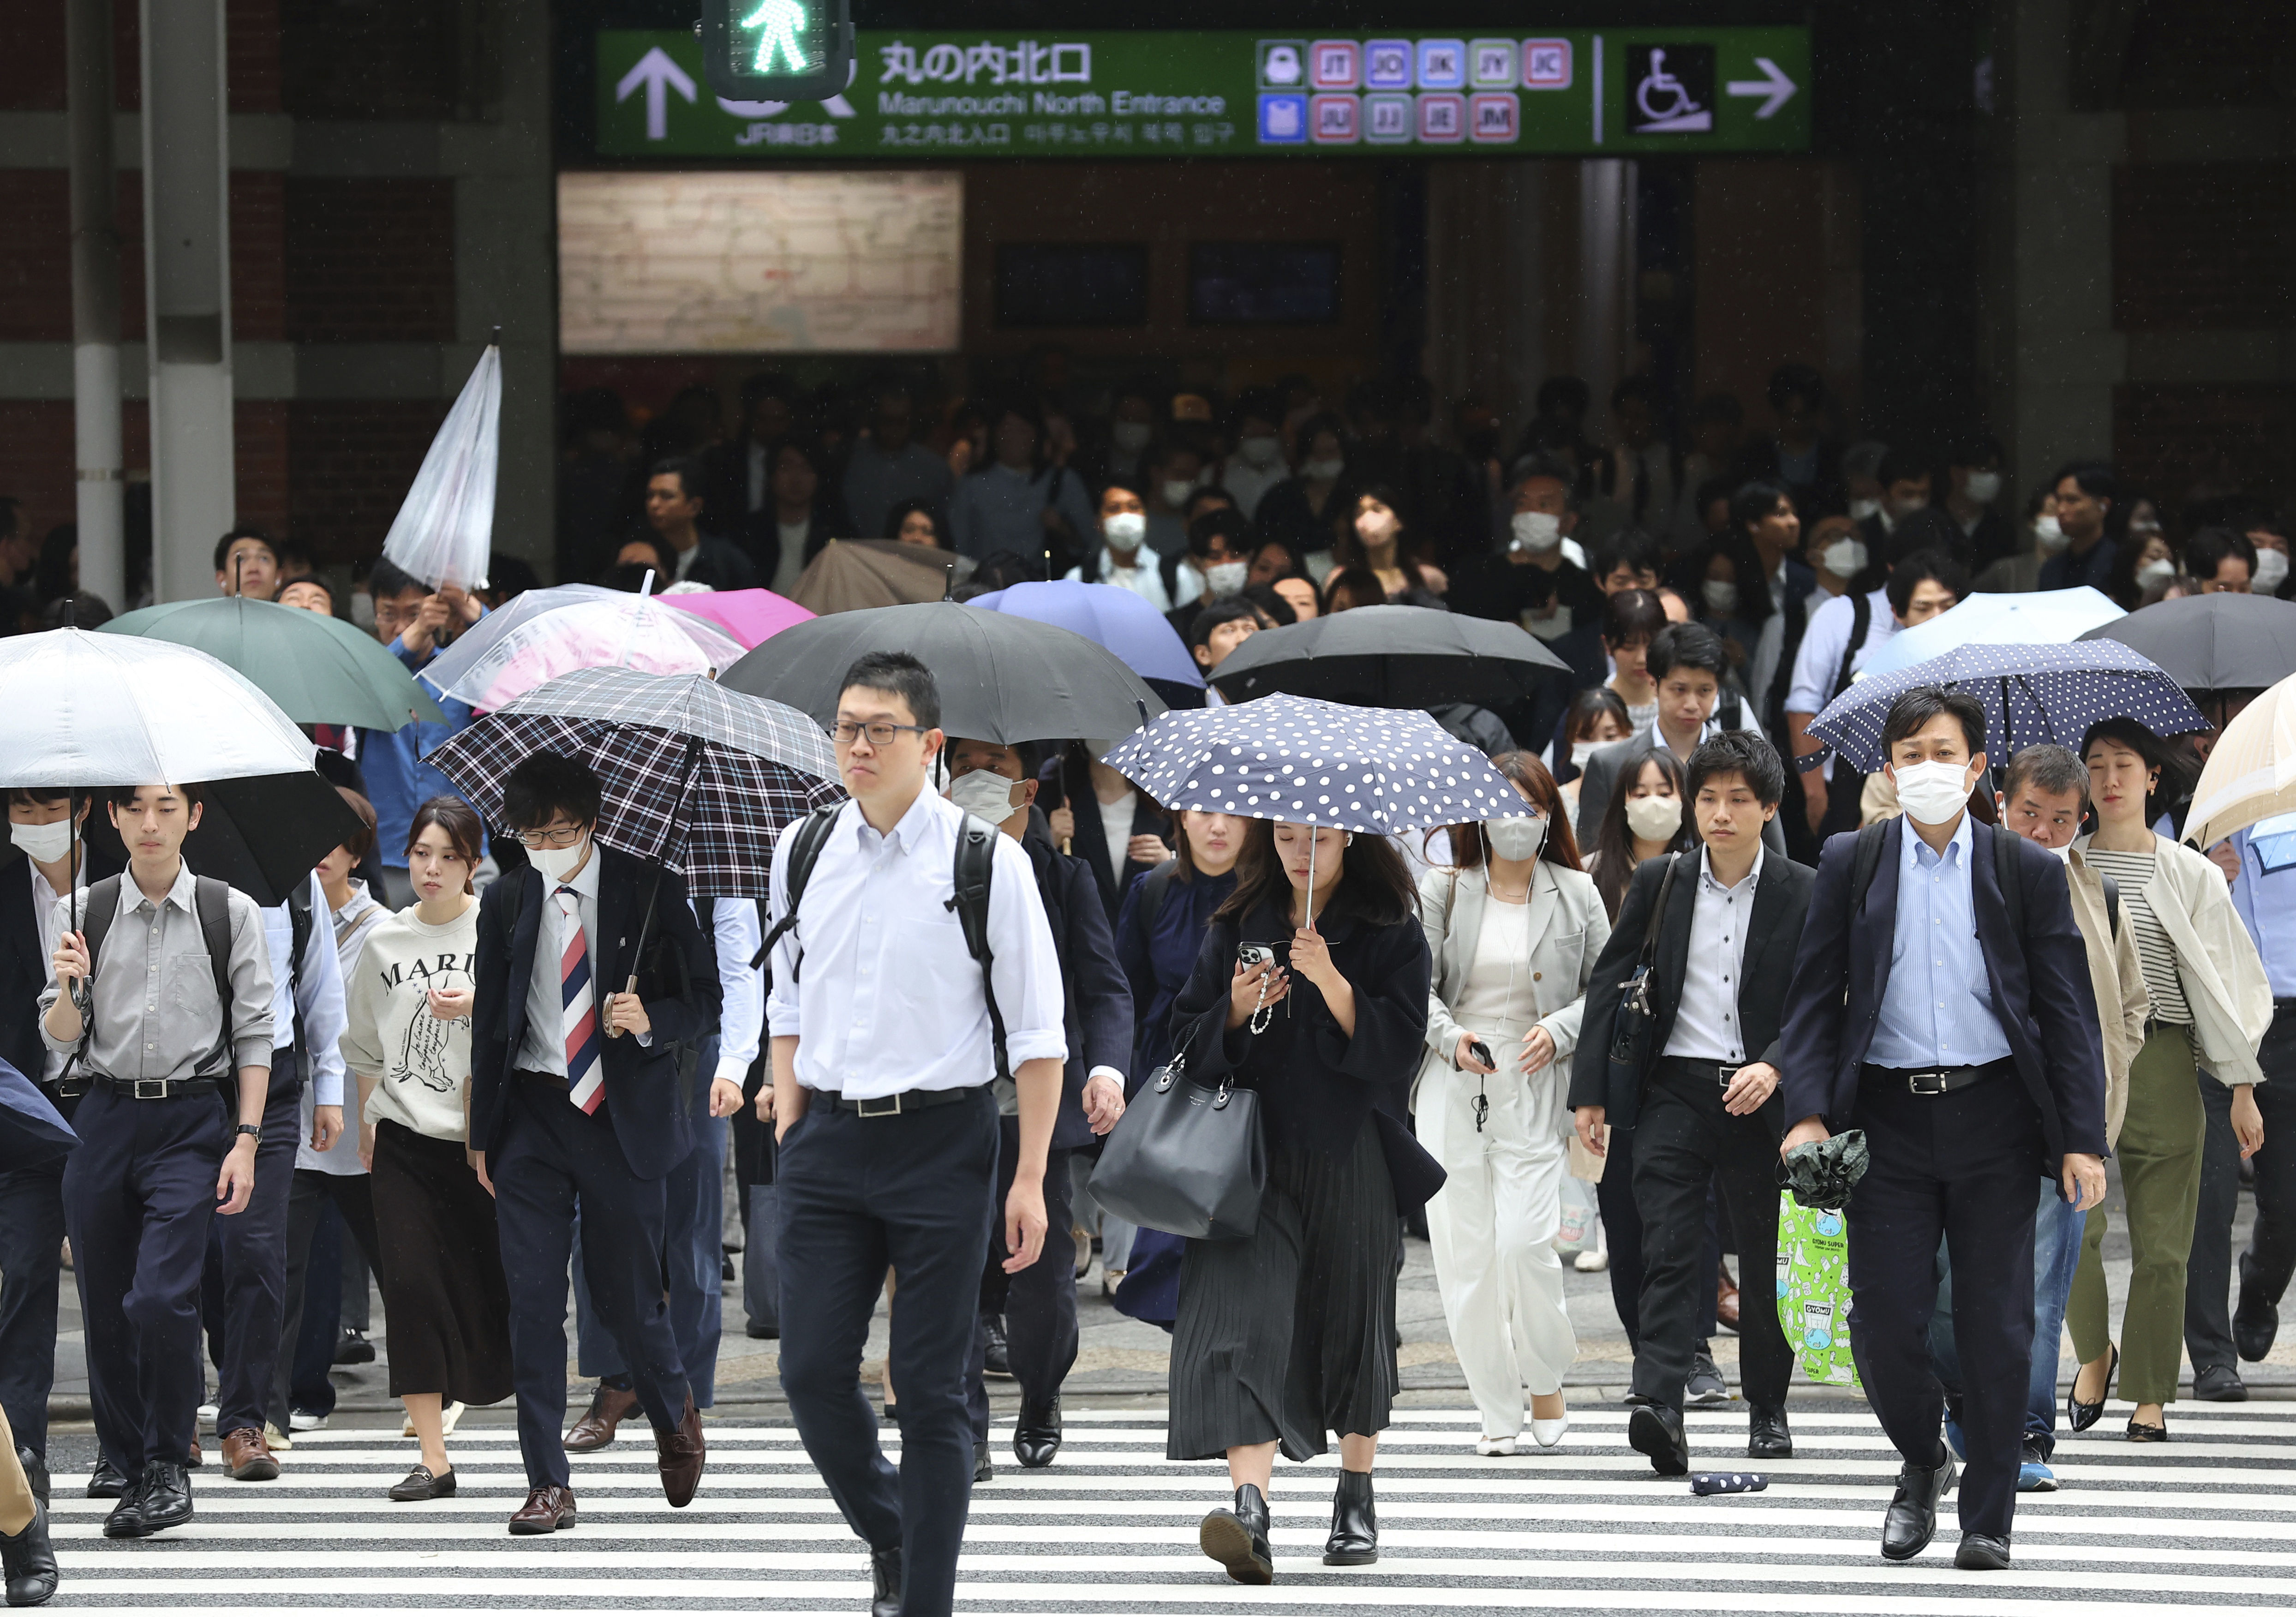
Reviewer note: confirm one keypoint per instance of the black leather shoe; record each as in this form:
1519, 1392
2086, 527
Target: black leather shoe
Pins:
1355, 1525
1656, 1430
105, 1483
2219, 1385
996, 1358
125, 1519
885, 1566
353, 1348
759, 1331
982, 1471
166, 1501
1237, 1538
1983, 1553
2081, 1416
27, 1561
36, 1473
1767, 1436
1037, 1434
2256, 1320
1912, 1522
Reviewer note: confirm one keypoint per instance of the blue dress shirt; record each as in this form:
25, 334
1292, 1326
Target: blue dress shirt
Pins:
1938, 1009
2264, 895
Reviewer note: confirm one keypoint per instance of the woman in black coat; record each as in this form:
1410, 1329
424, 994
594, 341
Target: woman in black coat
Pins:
1290, 1333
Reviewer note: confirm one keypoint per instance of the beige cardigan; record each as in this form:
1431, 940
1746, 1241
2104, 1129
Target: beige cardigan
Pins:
2118, 975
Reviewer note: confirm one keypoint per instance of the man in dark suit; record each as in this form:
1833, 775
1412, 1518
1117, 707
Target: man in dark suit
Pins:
1703, 1098
674, 508
579, 1091
1950, 1017
1031, 1314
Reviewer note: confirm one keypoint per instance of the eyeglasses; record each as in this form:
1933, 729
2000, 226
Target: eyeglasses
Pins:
556, 836
880, 731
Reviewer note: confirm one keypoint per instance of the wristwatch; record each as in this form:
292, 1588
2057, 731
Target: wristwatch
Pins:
254, 1131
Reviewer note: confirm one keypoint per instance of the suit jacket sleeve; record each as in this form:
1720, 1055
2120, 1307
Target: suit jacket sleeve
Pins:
1436, 888
1103, 996
1565, 1026
1131, 943
490, 1014
1594, 798
1809, 1042
692, 1015
1590, 1067
2063, 1002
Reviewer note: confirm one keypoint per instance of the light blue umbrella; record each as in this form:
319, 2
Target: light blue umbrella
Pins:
1126, 625
2048, 617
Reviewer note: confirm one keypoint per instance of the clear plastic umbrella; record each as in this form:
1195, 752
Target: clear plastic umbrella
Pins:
544, 633
444, 532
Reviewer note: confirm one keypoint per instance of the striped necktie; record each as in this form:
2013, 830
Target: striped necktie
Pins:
586, 1080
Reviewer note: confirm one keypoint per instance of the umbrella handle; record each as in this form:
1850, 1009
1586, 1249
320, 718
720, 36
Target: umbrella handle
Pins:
612, 1031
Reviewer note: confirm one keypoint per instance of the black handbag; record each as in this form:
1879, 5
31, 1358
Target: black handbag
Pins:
1632, 1023
1185, 1159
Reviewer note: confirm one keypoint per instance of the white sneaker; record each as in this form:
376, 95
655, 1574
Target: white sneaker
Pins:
1549, 1434
1591, 1263
299, 1420
1495, 1448
449, 1416
207, 1413
279, 1440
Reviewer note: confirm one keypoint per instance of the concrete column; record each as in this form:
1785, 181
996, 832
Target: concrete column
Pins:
187, 264
95, 299
1607, 276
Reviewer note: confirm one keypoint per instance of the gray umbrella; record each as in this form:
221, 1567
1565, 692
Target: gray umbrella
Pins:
2213, 643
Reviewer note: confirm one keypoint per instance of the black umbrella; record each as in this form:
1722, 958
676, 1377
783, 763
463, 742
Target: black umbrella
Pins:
262, 833
1002, 679
2213, 643
1390, 657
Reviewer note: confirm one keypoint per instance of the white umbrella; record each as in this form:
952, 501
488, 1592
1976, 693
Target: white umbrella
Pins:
2251, 770
544, 633
444, 532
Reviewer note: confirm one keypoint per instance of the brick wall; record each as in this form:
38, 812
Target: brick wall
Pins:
2176, 439
370, 261
32, 77
349, 464
36, 459
2203, 246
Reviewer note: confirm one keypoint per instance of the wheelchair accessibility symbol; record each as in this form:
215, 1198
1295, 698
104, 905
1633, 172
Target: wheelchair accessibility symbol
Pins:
1673, 89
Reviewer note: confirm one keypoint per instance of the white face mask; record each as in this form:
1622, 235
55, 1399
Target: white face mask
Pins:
2159, 567
1721, 598
1931, 793
1654, 819
1225, 577
1175, 491
2049, 534
983, 793
1126, 532
42, 845
1259, 451
2271, 571
1519, 836
2064, 854
1322, 470
1844, 558
1377, 527
1581, 751
1860, 509
1536, 529
1129, 436
556, 864
1984, 488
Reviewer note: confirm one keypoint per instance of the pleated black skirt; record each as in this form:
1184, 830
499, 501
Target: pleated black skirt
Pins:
1289, 1335
446, 1304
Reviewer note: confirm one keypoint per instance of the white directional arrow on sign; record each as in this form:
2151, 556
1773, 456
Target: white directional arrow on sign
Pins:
658, 75
1774, 85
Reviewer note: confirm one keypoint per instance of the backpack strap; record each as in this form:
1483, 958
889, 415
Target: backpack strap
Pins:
299, 925
99, 907
1732, 712
1868, 858
976, 866
1861, 624
805, 852
2111, 904
211, 900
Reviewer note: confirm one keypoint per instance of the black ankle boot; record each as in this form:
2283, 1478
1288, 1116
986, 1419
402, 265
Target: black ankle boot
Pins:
885, 1568
1354, 1526
1237, 1538
31, 1564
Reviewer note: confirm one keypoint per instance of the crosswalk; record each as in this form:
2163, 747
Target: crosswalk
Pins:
2204, 1523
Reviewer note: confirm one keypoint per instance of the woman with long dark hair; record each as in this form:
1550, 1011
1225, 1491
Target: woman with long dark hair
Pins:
1513, 927
1289, 1333
1643, 820
1376, 539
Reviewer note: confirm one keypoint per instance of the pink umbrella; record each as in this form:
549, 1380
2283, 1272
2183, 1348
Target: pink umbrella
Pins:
751, 616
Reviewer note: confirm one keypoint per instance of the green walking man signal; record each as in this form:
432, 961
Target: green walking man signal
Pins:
776, 50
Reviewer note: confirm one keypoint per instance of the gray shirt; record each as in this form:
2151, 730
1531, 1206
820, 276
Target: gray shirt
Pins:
156, 1015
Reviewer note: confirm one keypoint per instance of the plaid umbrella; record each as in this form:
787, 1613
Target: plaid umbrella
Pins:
696, 777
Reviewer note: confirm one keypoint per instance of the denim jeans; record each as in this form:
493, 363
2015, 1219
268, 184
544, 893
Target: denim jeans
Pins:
2056, 1254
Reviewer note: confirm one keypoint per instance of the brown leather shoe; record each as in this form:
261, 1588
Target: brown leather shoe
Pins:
197, 1460
595, 1429
249, 1457
679, 1456
546, 1510
1726, 1300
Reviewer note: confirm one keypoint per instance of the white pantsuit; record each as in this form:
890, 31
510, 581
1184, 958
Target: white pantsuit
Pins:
1493, 1224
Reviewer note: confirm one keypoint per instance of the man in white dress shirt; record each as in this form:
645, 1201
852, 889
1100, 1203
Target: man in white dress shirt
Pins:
884, 1108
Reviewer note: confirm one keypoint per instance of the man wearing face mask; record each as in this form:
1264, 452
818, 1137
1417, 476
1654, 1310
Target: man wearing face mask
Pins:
1215, 567
1906, 483
1033, 1310
1972, 488
2086, 494
1120, 560
2269, 535
1170, 478
1941, 1004
1258, 463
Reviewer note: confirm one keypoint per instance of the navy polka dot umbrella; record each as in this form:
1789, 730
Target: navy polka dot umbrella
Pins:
1382, 770
2032, 694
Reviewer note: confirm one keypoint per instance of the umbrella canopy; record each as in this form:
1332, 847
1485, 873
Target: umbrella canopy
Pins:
696, 777
1123, 623
547, 632
319, 670
2251, 774
88, 709
1290, 758
2041, 618
1002, 679
2213, 643
1390, 657
261, 833
2031, 693
444, 532
851, 574
751, 616
32, 1132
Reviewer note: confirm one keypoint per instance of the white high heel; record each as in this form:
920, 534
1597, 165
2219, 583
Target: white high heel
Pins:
1495, 1448
1549, 1434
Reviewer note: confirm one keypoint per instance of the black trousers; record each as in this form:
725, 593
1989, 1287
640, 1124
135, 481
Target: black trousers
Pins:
312, 1192
1038, 1304
913, 1193
243, 1286
139, 1194
550, 1154
1622, 1235
1686, 1146
31, 1271
2271, 1256
1958, 1168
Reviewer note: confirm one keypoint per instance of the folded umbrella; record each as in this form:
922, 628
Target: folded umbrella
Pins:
1390, 657
849, 575
319, 670
1822, 1173
1139, 636
2038, 618
2213, 643
751, 616
2030, 693
544, 633
1002, 677
2250, 775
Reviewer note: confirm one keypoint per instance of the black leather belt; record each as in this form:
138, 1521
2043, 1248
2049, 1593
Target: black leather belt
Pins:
1936, 1080
156, 1088
894, 1106
1718, 1071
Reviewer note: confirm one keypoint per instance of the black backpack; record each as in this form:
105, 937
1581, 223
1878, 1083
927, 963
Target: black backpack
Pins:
974, 867
212, 903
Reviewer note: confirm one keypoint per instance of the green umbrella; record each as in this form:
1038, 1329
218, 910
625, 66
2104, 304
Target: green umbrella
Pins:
321, 670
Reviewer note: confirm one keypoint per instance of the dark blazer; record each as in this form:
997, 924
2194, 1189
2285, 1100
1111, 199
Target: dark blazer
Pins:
721, 565
651, 1115
1098, 1009
1601, 780
1772, 933
1112, 870
2040, 985
23, 972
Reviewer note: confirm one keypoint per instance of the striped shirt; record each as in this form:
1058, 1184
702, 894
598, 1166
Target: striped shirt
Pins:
2133, 873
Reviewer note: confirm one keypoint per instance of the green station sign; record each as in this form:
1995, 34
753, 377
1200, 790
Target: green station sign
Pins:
970, 96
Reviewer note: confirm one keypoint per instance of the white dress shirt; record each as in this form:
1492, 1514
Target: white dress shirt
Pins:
50, 916
742, 1020
1823, 638
544, 1049
887, 997
1706, 1025
315, 987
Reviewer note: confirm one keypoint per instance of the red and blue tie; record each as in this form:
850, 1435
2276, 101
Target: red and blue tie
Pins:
586, 1080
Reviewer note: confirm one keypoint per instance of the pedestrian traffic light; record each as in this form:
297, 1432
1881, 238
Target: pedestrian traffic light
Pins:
776, 50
